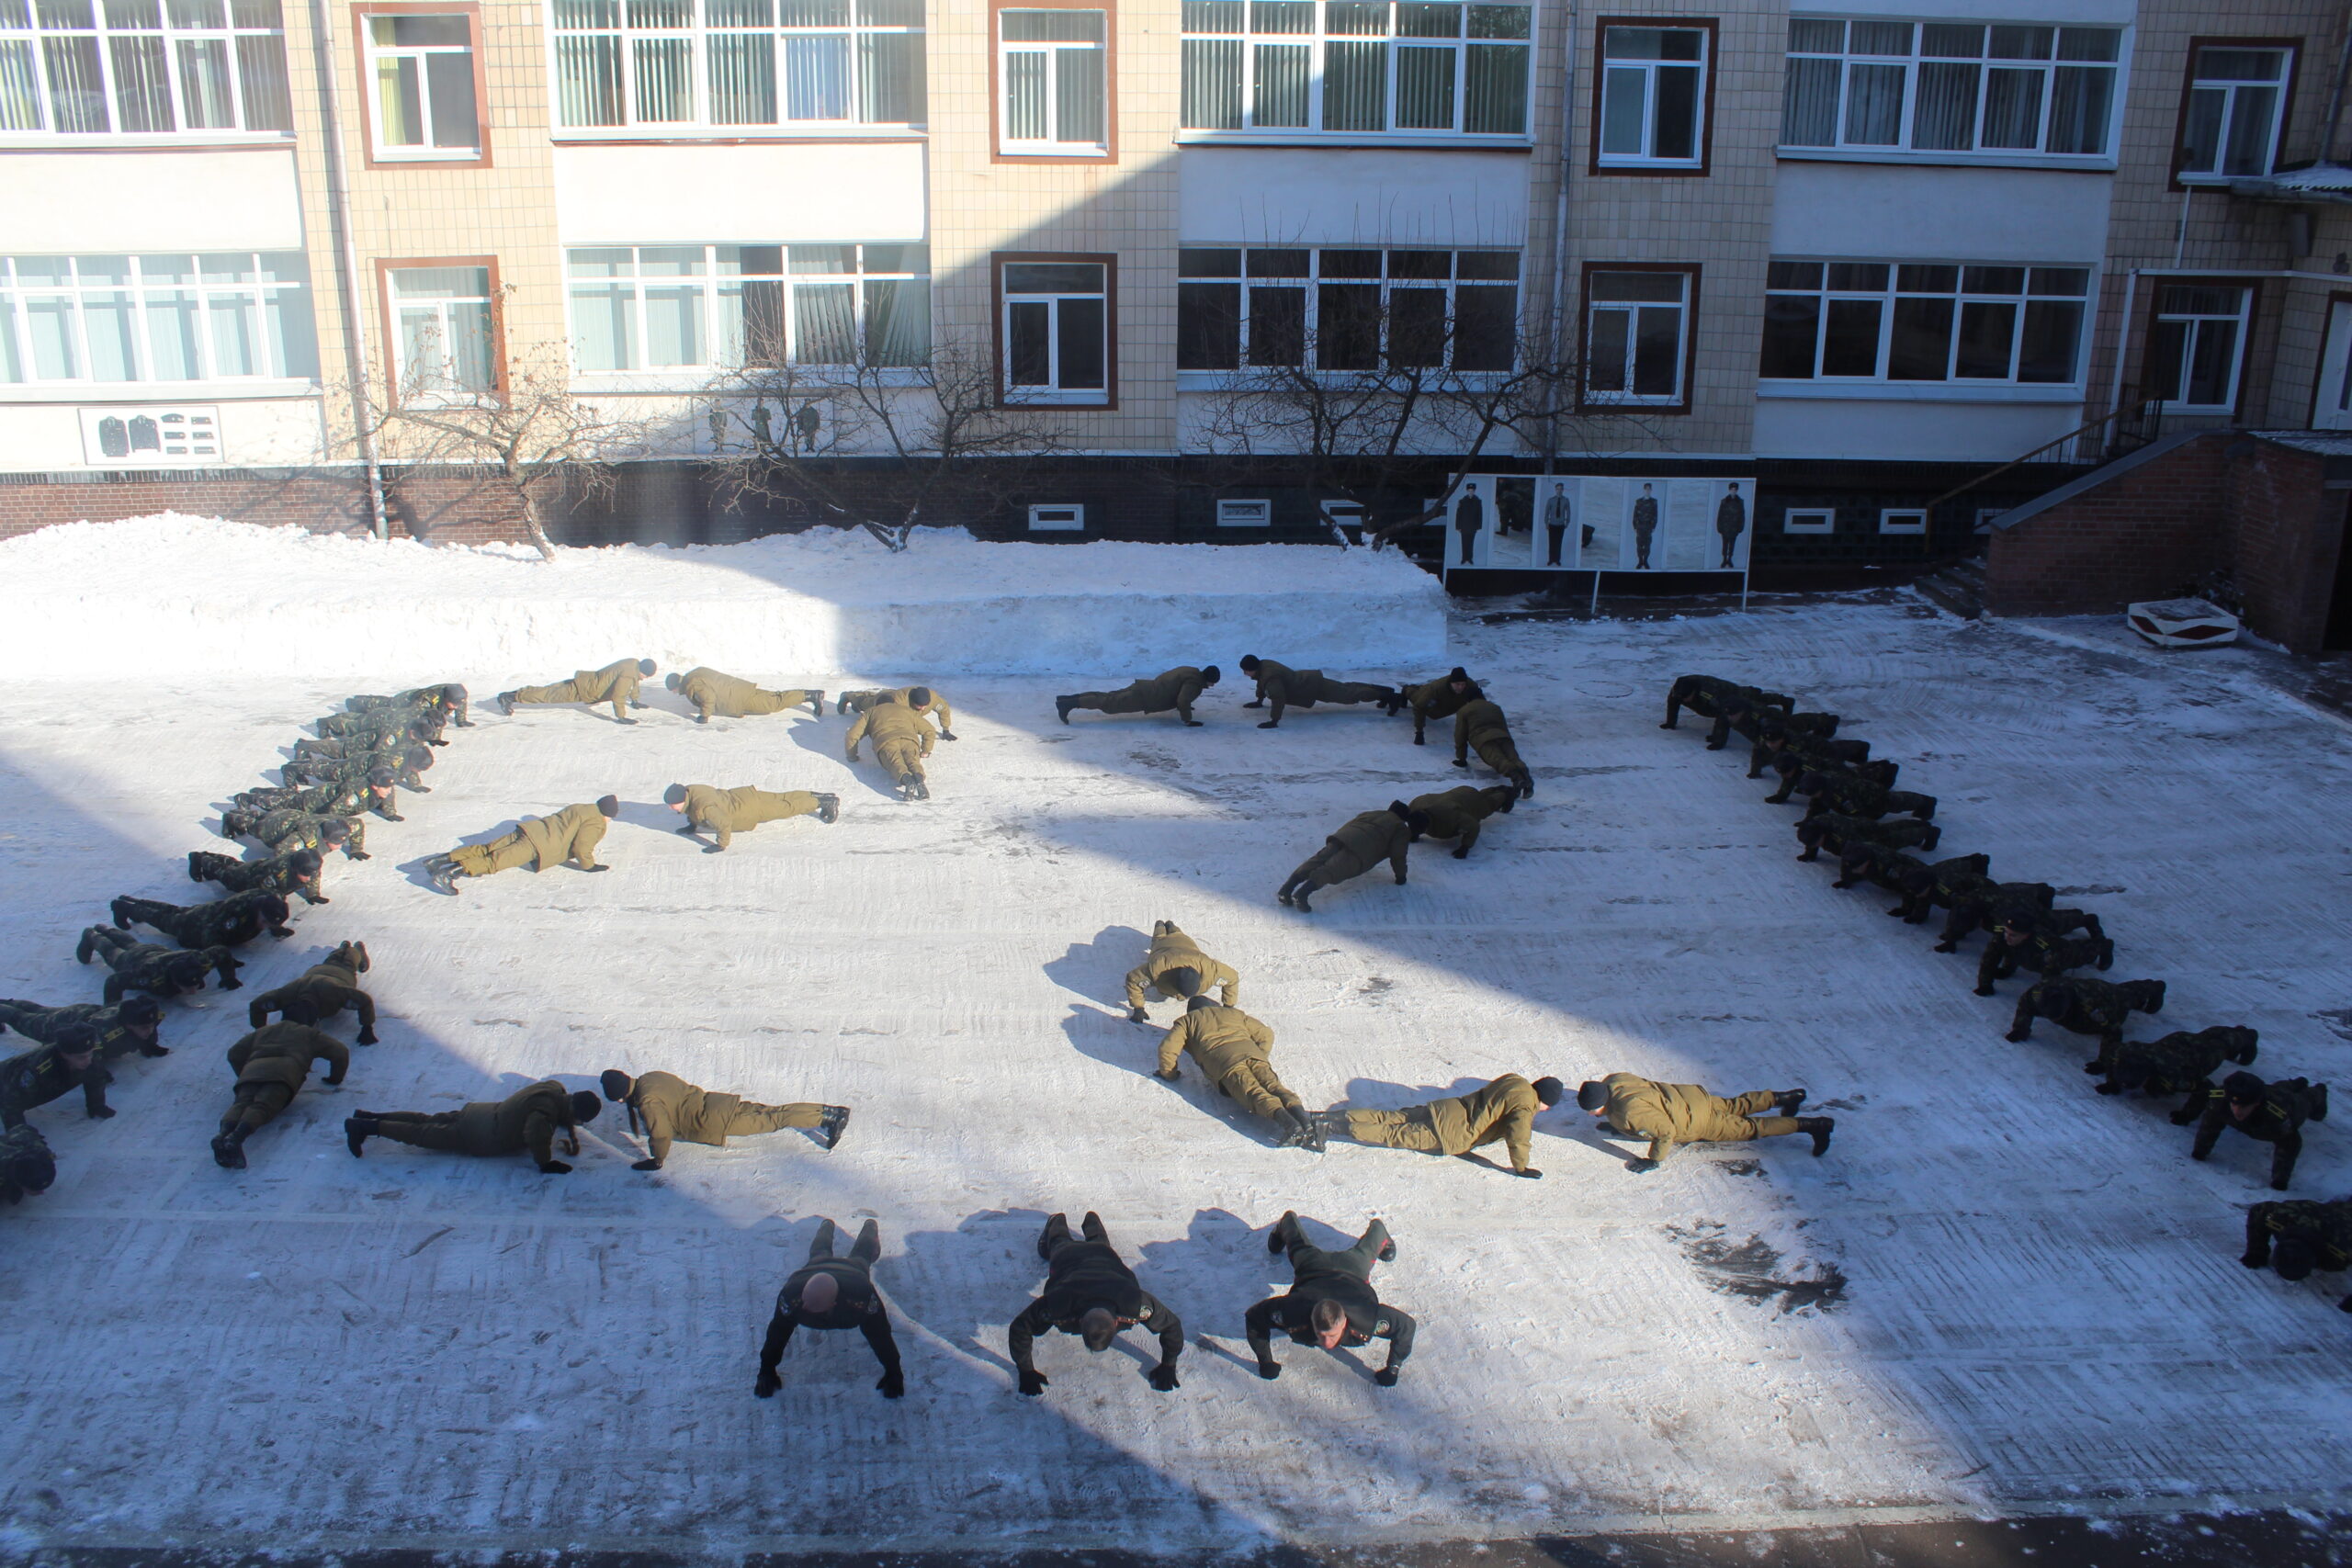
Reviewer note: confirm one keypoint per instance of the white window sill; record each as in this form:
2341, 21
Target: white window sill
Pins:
88, 392
1918, 392
1403, 141
1251, 378
1611, 165
427, 156
177, 141
1619, 400
1030, 398
687, 380
2102, 165
1073, 150
589, 136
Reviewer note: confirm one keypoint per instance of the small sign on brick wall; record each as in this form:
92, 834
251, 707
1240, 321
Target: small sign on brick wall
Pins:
157, 436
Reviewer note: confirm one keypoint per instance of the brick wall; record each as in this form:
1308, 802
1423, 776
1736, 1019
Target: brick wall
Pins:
440, 509
2140, 535
2288, 529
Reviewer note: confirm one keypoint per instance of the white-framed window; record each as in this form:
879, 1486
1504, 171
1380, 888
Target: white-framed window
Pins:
444, 337
697, 65
1653, 96
1924, 322
1902, 520
1346, 310
2002, 89
1245, 513
142, 67
2197, 345
1057, 518
1985, 517
1053, 76
721, 307
1055, 318
1637, 336
423, 98
1356, 67
2237, 103
93, 320
1808, 520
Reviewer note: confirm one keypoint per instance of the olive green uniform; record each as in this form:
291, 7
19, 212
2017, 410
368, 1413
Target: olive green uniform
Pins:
1171, 949
937, 709
724, 813
718, 696
615, 684
1232, 1050
670, 1108
1481, 727
272, 1063
539, 843
1179, 688
527, 1120
326, 989
1456, 813
1503, 1111
1280, 687
901, 739
1438, 699
1363, 841
1671, 1114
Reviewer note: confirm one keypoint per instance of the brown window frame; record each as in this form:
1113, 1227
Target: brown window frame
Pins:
1705, 166
1109, 260
386, 266
1109, 153
2295, 48
1584, 337
470, 9
2252, 286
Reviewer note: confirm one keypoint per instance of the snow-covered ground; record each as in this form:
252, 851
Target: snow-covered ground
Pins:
2021, 1294
126, 599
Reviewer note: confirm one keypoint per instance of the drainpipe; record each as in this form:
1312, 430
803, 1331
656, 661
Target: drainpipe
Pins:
1555, 339
355, 332
2335, 97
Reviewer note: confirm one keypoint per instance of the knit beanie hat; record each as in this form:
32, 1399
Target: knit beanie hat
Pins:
674, 795
609, 805
1591, 1096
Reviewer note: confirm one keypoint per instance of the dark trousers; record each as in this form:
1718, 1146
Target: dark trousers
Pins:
867, 1248
1355, 1262
1058, 1232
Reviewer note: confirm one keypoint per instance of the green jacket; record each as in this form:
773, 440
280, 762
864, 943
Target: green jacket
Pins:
1371, 837
282, 1053
572, 833
1479, 724
672, 1107
1503, 1111
890, 721
528, 1118
1454, 813
1179, 688
1220, 1039
1173, 949
727, 812
716, 693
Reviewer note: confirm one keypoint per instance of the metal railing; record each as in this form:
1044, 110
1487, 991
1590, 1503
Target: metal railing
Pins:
2132, 424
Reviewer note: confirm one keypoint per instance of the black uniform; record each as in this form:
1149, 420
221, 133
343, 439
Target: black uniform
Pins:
1081, 1275
158, 971
856, 1305
2321, 1231
1318, 1275
116, 1040
2279, 1111
2087, 1007
41, 1075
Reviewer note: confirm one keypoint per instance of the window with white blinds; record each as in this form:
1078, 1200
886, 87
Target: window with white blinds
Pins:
99, 318
707, 65
722, 307
142, 67
1950, 87
1367, 67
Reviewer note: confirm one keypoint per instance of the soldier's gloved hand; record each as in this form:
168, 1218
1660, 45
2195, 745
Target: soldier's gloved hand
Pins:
1191, 724
623, 721
1463, 853
768, 1383
635, 703
368, 1037
1400, 879
1258, 704
1168, 1076
1420, 740
712, 849
391, 817
1033, 1384
947, 735
101, 1112
1269, 724
1640, 1167
1460, 763
1531, 1173
1163, 1378
2251, 1261
1270, 1371
356, 854
554, 1167
1386, 1377
647, 1165
702, 718
893, 1384
1136, 1015
596, 868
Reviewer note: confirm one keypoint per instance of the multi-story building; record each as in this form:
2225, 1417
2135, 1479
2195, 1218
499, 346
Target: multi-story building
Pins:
1860, 255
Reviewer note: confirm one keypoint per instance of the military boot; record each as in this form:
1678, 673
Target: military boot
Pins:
444, 872
2317, 1101
506, 704
1298, 897
229, 1151
1279, 1237
1308, 1136
829, 807
817, 703
831, 1122
1818, 1128
356, 1130
1787, 1101
1062, 706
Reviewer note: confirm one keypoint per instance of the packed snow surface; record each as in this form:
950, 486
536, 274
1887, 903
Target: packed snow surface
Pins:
1998, 1290
188, 593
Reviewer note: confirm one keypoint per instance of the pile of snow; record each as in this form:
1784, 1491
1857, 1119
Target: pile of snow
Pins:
177, 592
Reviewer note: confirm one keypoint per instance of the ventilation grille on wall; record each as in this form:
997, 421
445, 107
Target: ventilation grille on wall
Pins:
150, 437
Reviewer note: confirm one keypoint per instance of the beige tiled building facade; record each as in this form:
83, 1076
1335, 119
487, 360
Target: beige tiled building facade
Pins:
1852, 256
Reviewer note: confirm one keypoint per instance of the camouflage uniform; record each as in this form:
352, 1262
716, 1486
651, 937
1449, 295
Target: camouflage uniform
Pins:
1343, 1276
2278, 1120
143, 966
1703, 695
26, 1165
2087, 1007
2180, 1063
116, 1038
2325, 1228
335, 797
1976, 901
286, 829
227, 922
1790, 755
1835, 832
275, 875
41, 1075
1851, 794
448, 698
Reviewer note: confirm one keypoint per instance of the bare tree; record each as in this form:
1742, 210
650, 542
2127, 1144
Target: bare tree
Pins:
519, 430
878, 442
1390, 409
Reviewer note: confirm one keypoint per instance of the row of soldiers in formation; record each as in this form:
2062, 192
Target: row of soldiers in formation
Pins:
1858, 815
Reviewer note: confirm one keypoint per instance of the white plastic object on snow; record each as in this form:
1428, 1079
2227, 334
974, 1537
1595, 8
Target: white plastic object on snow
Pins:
2182, 623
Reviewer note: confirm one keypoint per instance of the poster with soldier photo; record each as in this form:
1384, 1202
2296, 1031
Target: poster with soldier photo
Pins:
1600, 527
1643, 547
1470, 520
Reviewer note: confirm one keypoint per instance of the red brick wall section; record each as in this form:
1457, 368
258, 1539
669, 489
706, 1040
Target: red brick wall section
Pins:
2289, 528
439, 508
2139, 536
